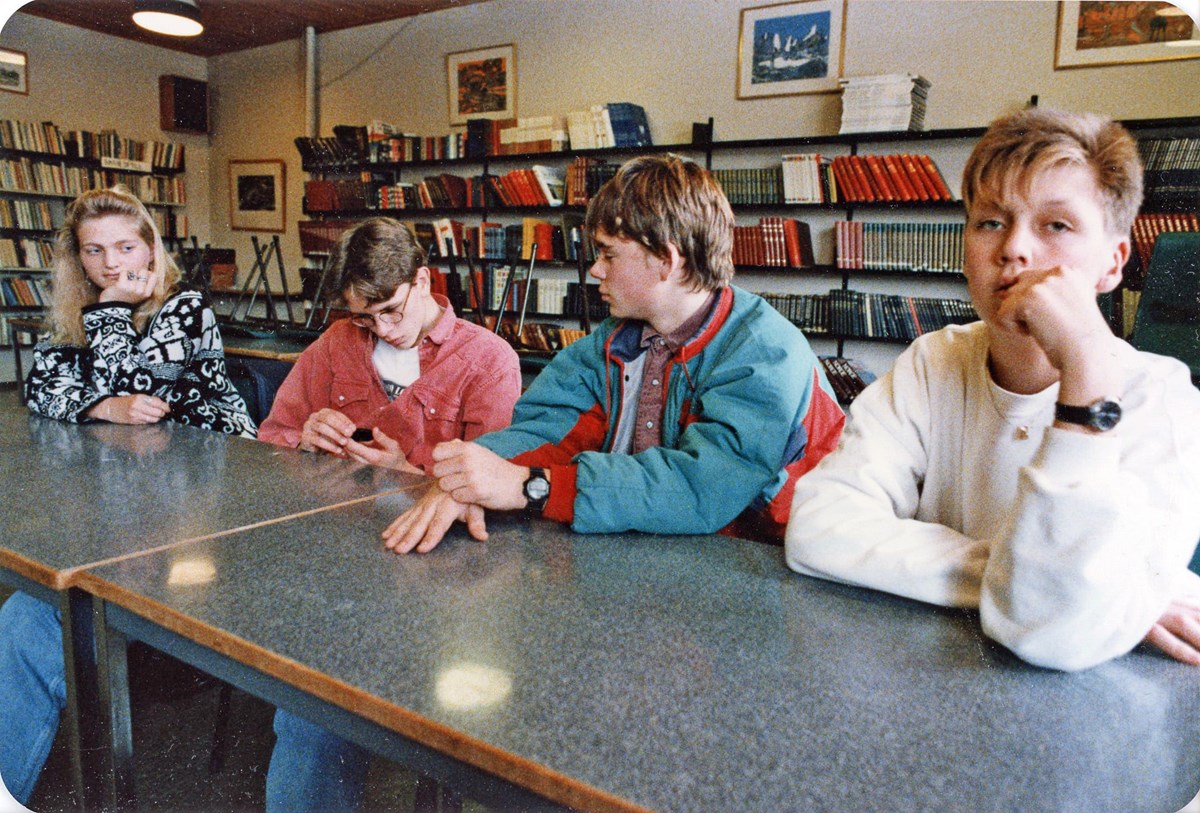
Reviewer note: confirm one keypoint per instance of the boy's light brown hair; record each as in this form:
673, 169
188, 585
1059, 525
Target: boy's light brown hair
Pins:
661, 200
1018, 147
373, 259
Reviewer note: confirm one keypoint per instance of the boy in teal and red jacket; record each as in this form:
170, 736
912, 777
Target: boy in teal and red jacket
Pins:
693, 409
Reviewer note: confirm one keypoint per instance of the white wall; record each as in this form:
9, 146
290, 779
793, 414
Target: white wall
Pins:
81, 80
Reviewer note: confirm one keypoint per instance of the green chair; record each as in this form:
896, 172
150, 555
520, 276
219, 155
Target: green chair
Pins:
1168, 315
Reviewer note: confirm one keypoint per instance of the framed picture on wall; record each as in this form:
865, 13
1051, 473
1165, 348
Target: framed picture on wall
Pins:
14, 71
1093, 33
482, 83
257, 201
791, 48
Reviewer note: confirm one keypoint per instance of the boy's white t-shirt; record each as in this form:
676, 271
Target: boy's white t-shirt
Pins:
397, 368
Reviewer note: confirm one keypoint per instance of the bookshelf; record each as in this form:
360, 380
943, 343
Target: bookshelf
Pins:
42, 169
881, 290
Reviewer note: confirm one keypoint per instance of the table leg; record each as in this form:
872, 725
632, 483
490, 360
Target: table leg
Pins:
97, 713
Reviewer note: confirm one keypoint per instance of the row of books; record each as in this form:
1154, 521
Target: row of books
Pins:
774, 241
534, 186
546, 296
584, 178
901, 177
856, 314
46, 137
1147, 228
847, 377
808, 178
750, 186
899, 246
25, 175
540, 336
26, 214
616, 124
883, 103
1169, 153
27, 292
26, 252
813, 178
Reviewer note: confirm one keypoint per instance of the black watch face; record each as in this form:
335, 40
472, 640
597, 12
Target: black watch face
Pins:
1106, 415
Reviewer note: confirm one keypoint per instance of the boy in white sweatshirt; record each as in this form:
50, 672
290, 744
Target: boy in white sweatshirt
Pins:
1030, 464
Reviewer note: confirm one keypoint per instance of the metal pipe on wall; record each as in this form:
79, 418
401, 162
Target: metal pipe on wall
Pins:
312, 93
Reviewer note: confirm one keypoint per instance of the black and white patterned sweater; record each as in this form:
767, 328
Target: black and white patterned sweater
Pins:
180, 359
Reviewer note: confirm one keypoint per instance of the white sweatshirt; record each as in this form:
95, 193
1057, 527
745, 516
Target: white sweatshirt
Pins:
950, 490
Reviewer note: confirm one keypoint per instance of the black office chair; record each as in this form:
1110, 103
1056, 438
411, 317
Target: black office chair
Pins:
1168, 315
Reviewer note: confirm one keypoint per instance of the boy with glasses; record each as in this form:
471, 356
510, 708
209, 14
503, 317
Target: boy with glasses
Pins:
403, 366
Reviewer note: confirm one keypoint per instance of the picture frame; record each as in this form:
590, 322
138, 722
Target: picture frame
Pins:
790, 49
482, 84
14, 71
1094, 34
257, 195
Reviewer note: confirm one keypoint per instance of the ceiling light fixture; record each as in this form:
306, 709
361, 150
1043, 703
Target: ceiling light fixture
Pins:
175, 18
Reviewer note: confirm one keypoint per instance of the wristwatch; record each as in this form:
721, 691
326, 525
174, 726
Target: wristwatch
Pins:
1102, 414
536, 490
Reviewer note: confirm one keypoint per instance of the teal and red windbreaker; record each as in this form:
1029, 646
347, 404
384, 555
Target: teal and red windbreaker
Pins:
748, 410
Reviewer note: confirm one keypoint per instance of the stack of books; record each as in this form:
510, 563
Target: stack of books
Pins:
616, 124
885, 103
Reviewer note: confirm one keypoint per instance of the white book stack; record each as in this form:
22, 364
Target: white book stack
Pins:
884, 103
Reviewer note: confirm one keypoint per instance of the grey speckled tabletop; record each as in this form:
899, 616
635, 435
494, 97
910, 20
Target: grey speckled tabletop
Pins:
72, 495
675, 673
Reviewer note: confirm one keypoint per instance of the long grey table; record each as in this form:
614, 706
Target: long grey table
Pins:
72, 496
634, 672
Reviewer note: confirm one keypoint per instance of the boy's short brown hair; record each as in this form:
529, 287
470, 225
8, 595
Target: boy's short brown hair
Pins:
1020, 144
373, 259
661, 200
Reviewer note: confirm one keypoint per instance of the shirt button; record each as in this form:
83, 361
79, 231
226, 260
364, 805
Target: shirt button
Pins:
341, 398
655, 382
649, 424
433, 410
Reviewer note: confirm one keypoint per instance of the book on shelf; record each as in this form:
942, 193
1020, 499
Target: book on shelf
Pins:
616, 124
806, 178
923, 247
551, 182
848, 377
533, 135
773, 241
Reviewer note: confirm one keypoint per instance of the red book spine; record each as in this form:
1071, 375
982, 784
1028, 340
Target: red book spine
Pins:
863, 175
932, 171
880, 175
898, 177
916, 177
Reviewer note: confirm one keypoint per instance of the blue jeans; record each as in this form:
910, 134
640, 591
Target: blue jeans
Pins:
313, 770
33, 689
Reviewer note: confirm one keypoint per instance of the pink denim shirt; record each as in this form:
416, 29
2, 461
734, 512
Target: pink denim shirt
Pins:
470, 379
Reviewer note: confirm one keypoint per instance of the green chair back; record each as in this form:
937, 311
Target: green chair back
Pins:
1168, 315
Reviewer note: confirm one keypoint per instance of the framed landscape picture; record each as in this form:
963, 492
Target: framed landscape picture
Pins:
1093, 33
256, 195
482, 83
14, 71
791, 48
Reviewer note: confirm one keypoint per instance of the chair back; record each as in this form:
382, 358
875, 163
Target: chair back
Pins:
1168, 315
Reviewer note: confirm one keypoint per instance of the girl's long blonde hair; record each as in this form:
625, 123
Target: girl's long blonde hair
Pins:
73, 291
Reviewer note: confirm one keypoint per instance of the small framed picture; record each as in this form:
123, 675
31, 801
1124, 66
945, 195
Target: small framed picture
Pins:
257, 197
482, 83
1093, 33
14, 71
791, 48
